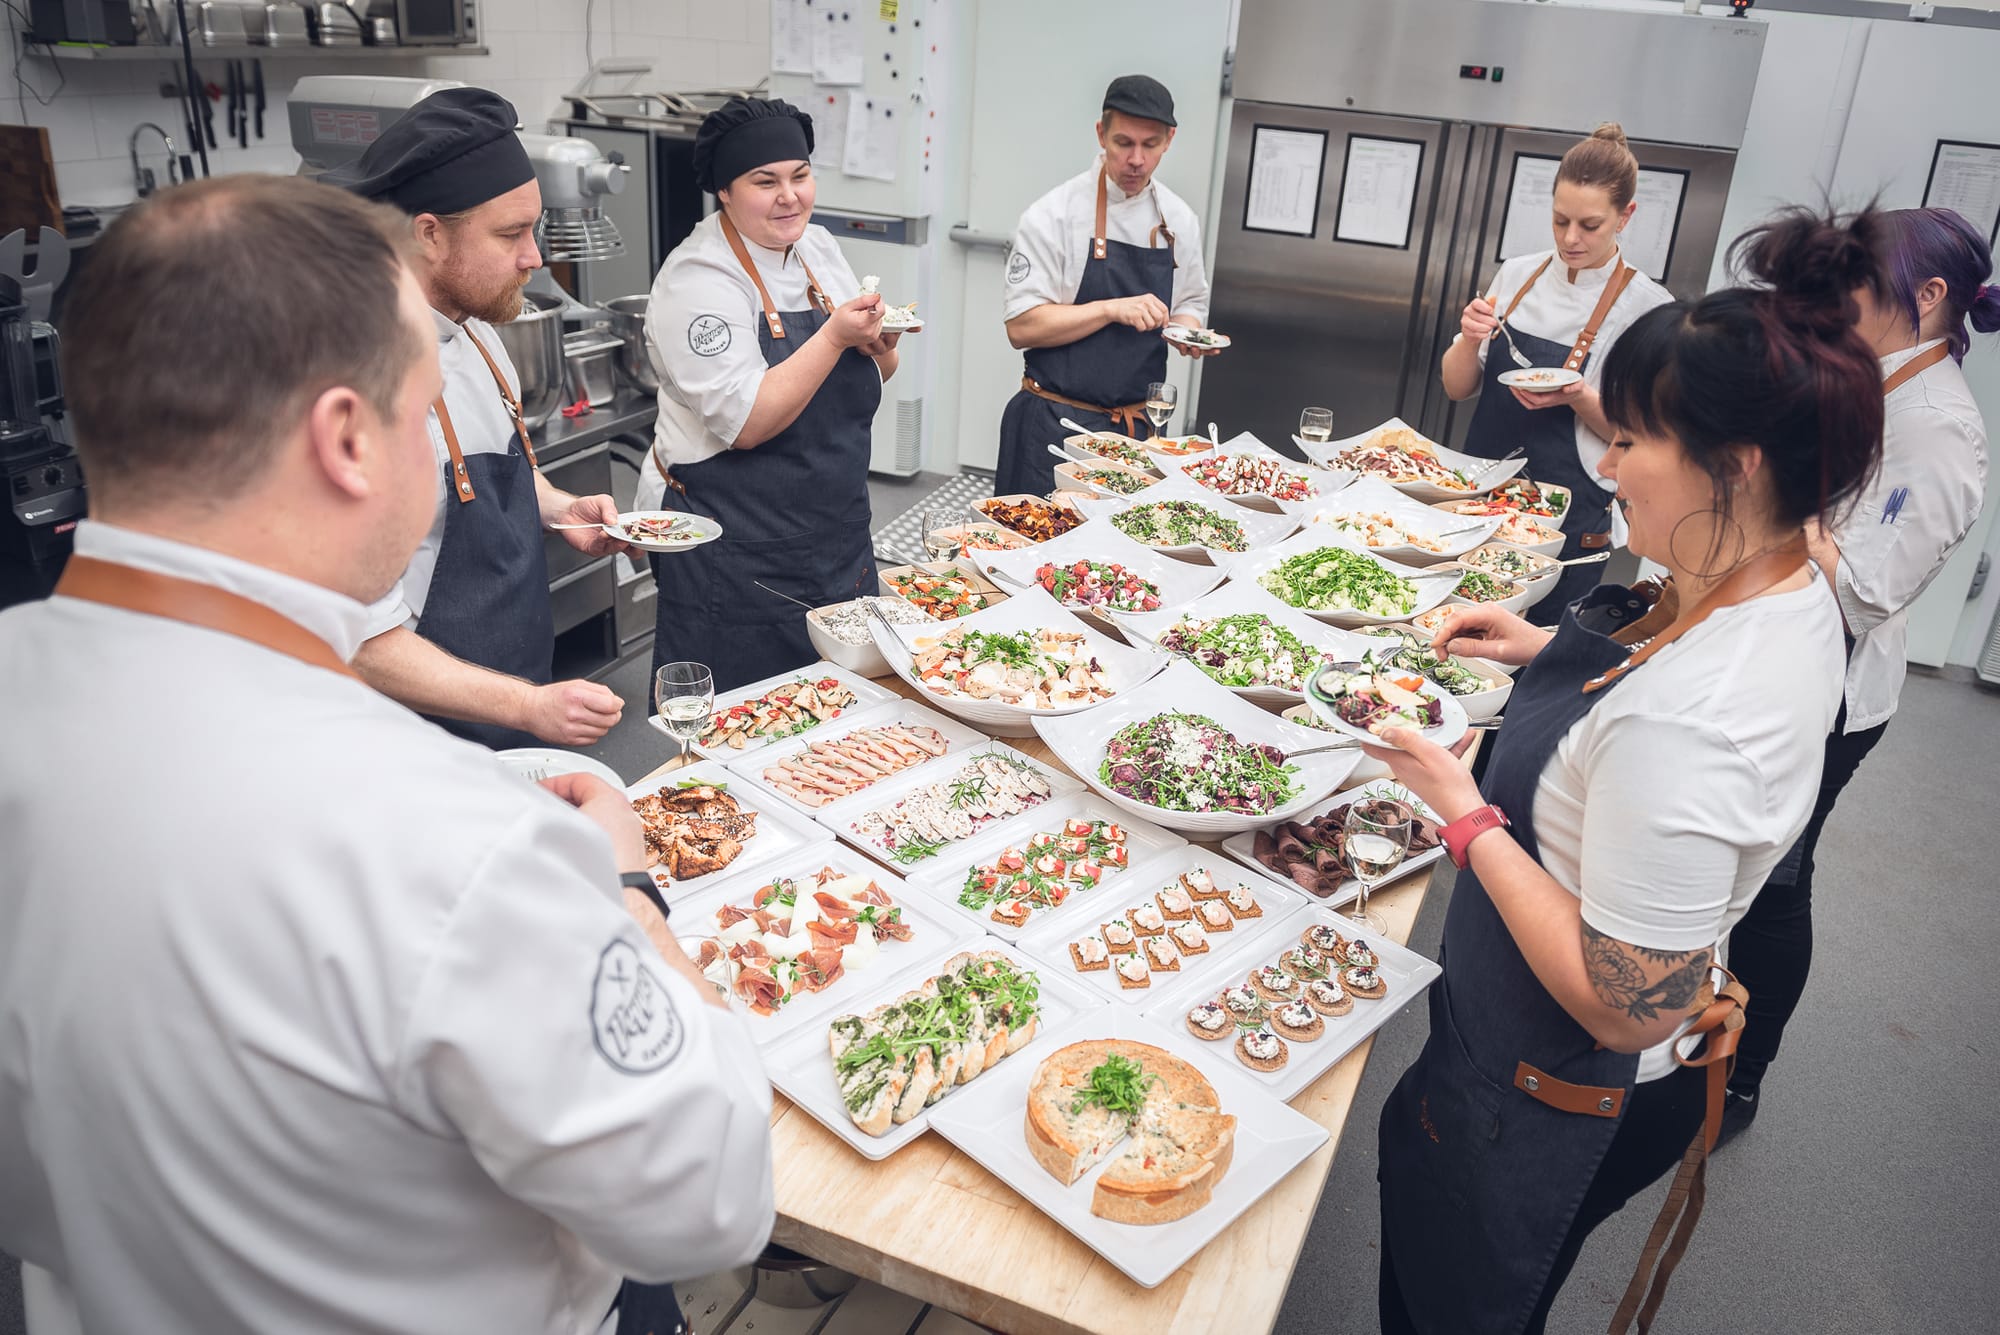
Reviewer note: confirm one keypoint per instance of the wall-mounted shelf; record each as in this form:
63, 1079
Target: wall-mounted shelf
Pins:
244, 51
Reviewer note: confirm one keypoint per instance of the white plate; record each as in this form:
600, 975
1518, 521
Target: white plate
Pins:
985, 1120
1079, 741
866, 694
1260, 530
1324, 482
1367, 769
1371, 495
893, 322
801, 1067
1546, 547
1243, 847
1165, 460
1237, 598
1181, 334
700, 528
1073, 474
958, 735
525, 759
1144, 842
934, 934
1048, 939
1078, 447
1407, 973
1539, 379
840, 816
1178, 581
780, 833
1451, 726
1029, 610
1480, 705
1429, 592
1488, 473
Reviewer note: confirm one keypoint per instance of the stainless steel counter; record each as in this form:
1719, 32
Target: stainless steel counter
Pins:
575, 455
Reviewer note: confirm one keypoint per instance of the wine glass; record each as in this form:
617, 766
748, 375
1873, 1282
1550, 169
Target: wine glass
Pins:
1161, 400
944, 531
685, 693
1316, 425
1378, 838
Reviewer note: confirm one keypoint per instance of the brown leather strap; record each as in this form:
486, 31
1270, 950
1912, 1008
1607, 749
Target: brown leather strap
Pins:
1915, 367
507, 397
1097, 235
461, 481
1592, 542
1666, 606
661, 469
1128, 417
114, 584
1588, 1100
1753, 577
1097, 247
1613, 289
1540, 269
814, 292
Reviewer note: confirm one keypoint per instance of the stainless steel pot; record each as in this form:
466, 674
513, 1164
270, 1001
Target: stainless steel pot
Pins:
534, 341
628, 321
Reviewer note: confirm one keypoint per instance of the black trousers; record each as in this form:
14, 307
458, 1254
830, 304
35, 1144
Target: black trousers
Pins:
1661, 1119
1770, 950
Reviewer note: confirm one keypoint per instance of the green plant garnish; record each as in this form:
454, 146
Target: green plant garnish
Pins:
1117, 1085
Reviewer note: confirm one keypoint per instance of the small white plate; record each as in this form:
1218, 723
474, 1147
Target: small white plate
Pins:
698, 529
1487, 473
866, 694
780, 833
1540, 379
524, 760
1243, 847
1206, 339
957, 735
1478, 706
840, 817
1238, 598
1429, 593
985, 1120
1451, 726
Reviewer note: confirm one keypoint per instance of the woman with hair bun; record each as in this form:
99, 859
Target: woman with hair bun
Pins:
1564, 307
1878, 559
1655, 765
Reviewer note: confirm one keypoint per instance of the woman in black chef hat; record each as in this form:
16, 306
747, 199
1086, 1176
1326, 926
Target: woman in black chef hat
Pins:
771, 362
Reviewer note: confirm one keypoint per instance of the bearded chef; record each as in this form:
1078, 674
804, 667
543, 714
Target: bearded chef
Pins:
1101, 264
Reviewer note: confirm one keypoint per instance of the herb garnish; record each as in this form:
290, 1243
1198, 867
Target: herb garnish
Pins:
1117, 1085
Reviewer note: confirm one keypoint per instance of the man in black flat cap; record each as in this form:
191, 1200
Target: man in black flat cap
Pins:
1100, 265
468, 636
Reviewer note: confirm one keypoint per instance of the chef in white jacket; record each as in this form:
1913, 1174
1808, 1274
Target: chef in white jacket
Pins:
316, 1019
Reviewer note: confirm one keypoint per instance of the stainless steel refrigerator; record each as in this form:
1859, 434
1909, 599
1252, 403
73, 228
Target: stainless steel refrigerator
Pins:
1384, 158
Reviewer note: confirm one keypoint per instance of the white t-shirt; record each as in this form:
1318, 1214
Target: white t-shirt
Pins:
483, 425
701, 333
1665, 807
1906, 525
1052, 242
1557, 309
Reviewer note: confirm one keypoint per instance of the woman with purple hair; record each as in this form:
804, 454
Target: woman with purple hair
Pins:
1878, 559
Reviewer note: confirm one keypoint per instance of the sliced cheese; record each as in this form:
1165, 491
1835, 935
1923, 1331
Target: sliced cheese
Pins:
863, 951
780, 945
737, 933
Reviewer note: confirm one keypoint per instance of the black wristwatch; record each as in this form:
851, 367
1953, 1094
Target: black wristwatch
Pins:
644, 883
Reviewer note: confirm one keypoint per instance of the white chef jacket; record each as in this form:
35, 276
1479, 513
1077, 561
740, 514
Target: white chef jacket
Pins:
701, 334
318, 1019
1664, 808
1557, 309
1052, 242
484, 426
1934, 463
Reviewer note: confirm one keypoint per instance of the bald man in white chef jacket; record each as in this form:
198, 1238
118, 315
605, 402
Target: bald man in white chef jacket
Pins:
315, 1018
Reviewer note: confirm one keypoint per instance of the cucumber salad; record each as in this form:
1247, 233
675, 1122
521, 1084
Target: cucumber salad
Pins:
1180, 524
1189, 762
1338, 580
1245, 649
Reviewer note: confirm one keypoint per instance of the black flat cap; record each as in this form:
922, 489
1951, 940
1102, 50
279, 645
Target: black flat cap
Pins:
1140, 95
452, 151
746, 133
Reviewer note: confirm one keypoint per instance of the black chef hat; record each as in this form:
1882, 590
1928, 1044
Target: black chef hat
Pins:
452, 151
746, 133
1140, 95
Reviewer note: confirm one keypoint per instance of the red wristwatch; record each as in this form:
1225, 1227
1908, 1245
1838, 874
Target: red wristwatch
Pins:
1458, 836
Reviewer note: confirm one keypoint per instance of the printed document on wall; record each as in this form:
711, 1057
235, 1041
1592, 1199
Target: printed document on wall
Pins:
1530, 196
836, 45
1378, 191
829, 113
1285, 168
791, 37
874, 137
1965, 178
1647, 243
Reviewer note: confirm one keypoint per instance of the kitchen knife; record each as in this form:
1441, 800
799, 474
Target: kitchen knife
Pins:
257, 86
242, 104
232, 91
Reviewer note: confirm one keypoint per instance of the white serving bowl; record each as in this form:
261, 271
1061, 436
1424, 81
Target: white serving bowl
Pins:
1179, 582
1236, 598
1260, 529
1550, 546
1074, 475
1325, 482
1429, 592
1488, 473
1371, 495
1516, 602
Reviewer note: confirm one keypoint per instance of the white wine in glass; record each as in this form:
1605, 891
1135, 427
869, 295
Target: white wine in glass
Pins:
1316, 425
944, 532
1378, 839
1161, 400
685, 693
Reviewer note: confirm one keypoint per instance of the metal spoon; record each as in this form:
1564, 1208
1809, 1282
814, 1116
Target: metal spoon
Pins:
1586, 560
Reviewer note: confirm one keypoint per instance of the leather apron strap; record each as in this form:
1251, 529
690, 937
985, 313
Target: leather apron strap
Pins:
114, 584
1614, 287
1915, 367
1128, 416
1097, 236
507, 397
814, 292
461, 481
1744, 583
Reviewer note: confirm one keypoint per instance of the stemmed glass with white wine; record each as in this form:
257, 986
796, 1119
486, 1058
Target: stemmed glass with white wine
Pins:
685, 693
1378, 839
1316, 425
1161, 400
944, 531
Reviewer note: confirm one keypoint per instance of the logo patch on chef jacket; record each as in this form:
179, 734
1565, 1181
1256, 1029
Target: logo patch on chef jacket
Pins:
634, 1021
1018, 268
708, 335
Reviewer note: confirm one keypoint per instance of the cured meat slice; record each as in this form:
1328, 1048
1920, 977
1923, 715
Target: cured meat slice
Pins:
826, 934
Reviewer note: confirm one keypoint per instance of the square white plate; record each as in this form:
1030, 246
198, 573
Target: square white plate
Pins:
1243, 847
985, 1120
802, 1065
1079, 742
780, 832
866, 694
1488, 473
1048, 940
1325, 482
1429, 592
1144, 842
1407, 972
1032, 609
934, 933
906, 712
1178, 581
1260, 530
1237, 598
1371, 495
840, 816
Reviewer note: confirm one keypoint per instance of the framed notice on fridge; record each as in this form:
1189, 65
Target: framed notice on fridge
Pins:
1378, 191
1965, 178
1648, 240
1285, 170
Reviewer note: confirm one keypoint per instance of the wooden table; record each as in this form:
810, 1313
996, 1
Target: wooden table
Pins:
930, 1222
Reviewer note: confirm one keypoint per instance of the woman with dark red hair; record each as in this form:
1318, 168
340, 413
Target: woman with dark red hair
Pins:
1878, 559
1654, 767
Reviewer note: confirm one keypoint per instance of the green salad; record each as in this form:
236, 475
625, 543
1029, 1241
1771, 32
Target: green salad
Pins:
1338, 580
1246, 649
1180, 524
1125, 484
1407, 653
1189, 762
1480, 587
